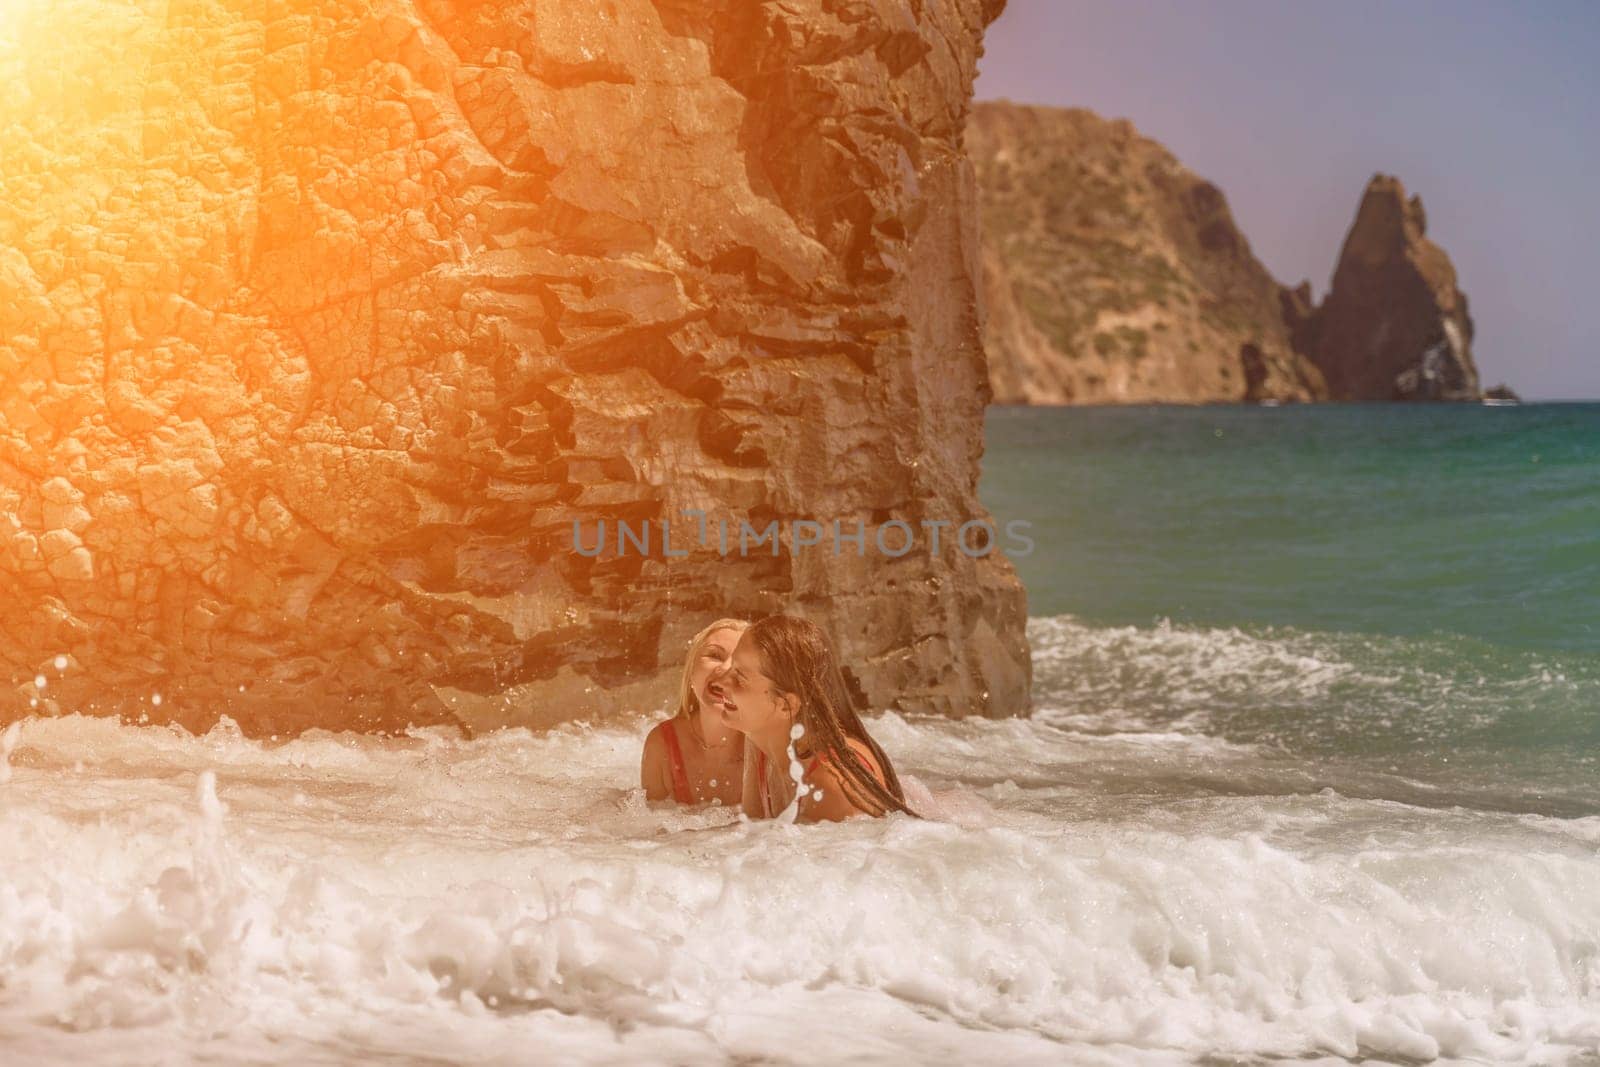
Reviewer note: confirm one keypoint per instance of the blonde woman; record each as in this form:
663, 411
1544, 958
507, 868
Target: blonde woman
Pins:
695, 758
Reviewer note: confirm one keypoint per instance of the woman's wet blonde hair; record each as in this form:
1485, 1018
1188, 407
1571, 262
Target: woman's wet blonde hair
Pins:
688, 703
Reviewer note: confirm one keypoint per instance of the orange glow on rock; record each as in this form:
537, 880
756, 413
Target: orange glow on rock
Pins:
320, 324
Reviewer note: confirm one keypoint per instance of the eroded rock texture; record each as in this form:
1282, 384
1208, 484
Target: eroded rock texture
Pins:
1113, 274
1394, 326
321, 323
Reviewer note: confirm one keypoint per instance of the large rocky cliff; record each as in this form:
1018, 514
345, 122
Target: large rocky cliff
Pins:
1113, 274
323, 322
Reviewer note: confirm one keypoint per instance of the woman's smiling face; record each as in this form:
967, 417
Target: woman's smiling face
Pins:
746, 698
713, 655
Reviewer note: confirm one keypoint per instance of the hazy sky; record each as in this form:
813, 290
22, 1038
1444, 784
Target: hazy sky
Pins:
1486, 109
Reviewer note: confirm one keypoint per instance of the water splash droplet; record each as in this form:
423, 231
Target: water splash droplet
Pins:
8, 741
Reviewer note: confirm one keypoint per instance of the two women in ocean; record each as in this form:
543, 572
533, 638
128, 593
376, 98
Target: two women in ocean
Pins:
764, 720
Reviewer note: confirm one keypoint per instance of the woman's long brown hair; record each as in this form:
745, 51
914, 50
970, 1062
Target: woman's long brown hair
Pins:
799, 659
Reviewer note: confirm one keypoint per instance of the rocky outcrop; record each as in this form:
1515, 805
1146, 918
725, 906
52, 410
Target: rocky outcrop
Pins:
1113, 274
1394, 326
321, 324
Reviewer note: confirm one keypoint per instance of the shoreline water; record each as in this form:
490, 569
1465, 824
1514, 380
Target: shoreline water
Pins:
1116, 879
1228, 830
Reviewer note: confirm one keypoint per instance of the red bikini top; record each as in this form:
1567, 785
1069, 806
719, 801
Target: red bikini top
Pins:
680, 773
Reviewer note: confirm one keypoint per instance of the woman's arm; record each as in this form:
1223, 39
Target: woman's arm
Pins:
654, 775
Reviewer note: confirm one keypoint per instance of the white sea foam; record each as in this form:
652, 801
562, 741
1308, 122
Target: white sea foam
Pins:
1104, 678
347, 899
1437, 719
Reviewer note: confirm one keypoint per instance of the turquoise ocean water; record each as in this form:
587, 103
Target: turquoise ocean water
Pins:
1397, 601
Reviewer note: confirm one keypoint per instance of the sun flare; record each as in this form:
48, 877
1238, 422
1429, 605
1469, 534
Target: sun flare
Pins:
13, 14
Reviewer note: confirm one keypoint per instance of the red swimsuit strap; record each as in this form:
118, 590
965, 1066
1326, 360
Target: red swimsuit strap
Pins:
868, 764
680, 773
761, 777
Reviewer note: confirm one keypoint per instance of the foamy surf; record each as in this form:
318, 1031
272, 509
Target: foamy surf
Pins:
345, 899
1437, 720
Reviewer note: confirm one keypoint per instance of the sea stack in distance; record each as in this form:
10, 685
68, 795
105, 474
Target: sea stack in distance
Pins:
1113, 274
1394, 325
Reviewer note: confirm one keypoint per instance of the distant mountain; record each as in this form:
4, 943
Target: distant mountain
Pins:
1114, 274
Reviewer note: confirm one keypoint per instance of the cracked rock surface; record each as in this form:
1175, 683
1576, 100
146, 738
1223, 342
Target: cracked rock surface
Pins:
321, 324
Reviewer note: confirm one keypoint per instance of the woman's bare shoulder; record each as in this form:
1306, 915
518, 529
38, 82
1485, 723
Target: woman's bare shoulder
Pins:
653, 765
825, 769
654, 751
863, 752
826, 798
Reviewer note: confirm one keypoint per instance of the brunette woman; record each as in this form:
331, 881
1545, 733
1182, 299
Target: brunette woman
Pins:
782, 688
